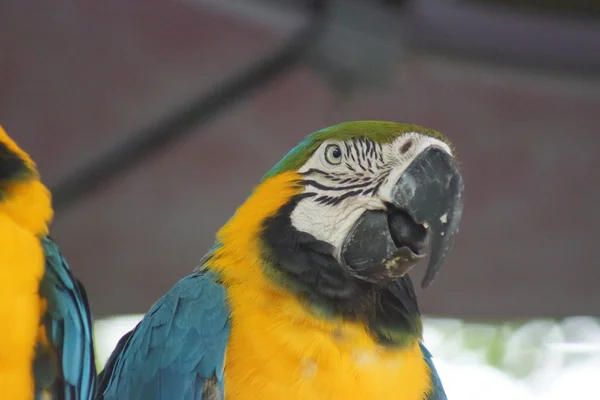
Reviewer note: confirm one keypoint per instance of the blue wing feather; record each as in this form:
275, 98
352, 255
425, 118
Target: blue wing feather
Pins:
72, 373
178, 346
437, 389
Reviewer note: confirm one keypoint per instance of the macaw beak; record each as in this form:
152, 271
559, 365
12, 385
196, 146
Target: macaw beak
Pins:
426, 206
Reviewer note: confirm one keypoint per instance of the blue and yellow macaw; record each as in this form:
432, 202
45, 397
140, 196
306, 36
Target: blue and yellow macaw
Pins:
305, 294
46, 348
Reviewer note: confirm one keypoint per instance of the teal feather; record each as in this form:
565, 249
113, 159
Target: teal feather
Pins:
68, 326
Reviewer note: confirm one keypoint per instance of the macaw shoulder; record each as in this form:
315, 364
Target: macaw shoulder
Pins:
177, 351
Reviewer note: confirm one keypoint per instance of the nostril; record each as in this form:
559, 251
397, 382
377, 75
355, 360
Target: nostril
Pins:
406, 146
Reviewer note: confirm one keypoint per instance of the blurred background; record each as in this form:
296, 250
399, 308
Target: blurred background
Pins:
152, 122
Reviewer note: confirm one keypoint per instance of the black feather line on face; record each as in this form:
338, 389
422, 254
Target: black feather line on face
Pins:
307, 267
310, 182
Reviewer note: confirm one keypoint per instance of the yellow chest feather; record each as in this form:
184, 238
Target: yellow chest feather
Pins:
278, 351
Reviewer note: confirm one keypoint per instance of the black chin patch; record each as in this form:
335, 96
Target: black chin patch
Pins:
307, 267
305, 263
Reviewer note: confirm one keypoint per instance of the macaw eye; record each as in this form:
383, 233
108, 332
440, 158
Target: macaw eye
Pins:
333, 154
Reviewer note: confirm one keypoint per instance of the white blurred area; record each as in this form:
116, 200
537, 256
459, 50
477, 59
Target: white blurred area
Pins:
540, 359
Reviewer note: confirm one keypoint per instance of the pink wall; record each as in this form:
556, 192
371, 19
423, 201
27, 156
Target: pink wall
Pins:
76, 77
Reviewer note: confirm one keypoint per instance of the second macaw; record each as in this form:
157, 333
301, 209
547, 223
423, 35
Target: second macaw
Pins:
46, 348
305, 294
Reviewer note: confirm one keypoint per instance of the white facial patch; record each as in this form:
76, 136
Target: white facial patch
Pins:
360, 179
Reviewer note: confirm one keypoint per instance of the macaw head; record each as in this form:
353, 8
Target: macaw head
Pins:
349, 211
374, 194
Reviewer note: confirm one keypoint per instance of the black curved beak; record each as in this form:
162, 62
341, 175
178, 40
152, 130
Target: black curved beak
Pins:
431, 191
427, 203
